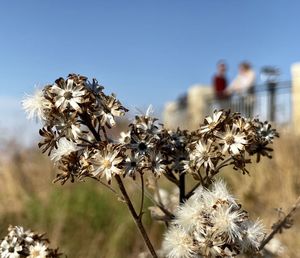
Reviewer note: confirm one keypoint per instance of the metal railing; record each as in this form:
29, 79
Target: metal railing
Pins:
270, 101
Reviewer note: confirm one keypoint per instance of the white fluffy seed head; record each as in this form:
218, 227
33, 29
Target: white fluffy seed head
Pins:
253, 235
203, 196
64, 147
219, 191
211, 223
225, 221
178, 244
210, 197
190, 216
35, 105
197, 195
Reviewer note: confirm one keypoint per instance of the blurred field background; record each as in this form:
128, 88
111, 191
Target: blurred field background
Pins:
147, 52
86, 220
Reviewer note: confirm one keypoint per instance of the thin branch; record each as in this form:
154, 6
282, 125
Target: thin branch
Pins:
135, 216
106, 185
222, 164
280, 224
208, 178
190, 193
181, 187
169, 214
143, 195
158, 193
200, 176
122, 188
147, 194
159, 204
85, 140
105, 134
171, 178
89, 124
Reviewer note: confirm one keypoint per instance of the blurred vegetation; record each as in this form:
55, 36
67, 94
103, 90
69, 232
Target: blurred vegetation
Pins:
85, 220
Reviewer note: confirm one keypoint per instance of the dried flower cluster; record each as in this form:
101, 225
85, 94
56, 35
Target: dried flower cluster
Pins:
77, 117
228, 139
212, 224
76, 113
21, 243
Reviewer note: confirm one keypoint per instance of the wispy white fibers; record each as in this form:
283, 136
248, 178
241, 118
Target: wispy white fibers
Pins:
64, 147
35, 105
211, 224
254, 234
178, 244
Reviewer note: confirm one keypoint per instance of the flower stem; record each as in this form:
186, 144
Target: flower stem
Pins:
135, 216
87, 121
222, 164
143, 195
280, 225
182, 188
191, 192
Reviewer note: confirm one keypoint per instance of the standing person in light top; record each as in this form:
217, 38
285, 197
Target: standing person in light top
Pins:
243, 87
243, 84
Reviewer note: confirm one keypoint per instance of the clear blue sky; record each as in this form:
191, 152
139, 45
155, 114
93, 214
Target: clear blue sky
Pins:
145, 51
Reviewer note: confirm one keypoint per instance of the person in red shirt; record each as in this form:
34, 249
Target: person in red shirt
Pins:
220, 81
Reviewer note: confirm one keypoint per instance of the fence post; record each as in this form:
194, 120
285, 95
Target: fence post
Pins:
272, 103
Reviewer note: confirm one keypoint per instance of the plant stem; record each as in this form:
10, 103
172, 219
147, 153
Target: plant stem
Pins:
172, 178
135, 216
105, 134
143, 194
87, 121
280, 224
208, 178
158, 203
182, 188
222, 164
169, 214
106, 185
190, 193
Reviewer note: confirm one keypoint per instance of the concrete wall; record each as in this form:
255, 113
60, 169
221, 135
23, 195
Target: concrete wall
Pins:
197, 105
195, 111
295, 70
174, 117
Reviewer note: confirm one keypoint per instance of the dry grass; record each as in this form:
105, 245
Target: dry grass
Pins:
273, 184
83, 219
87, 221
